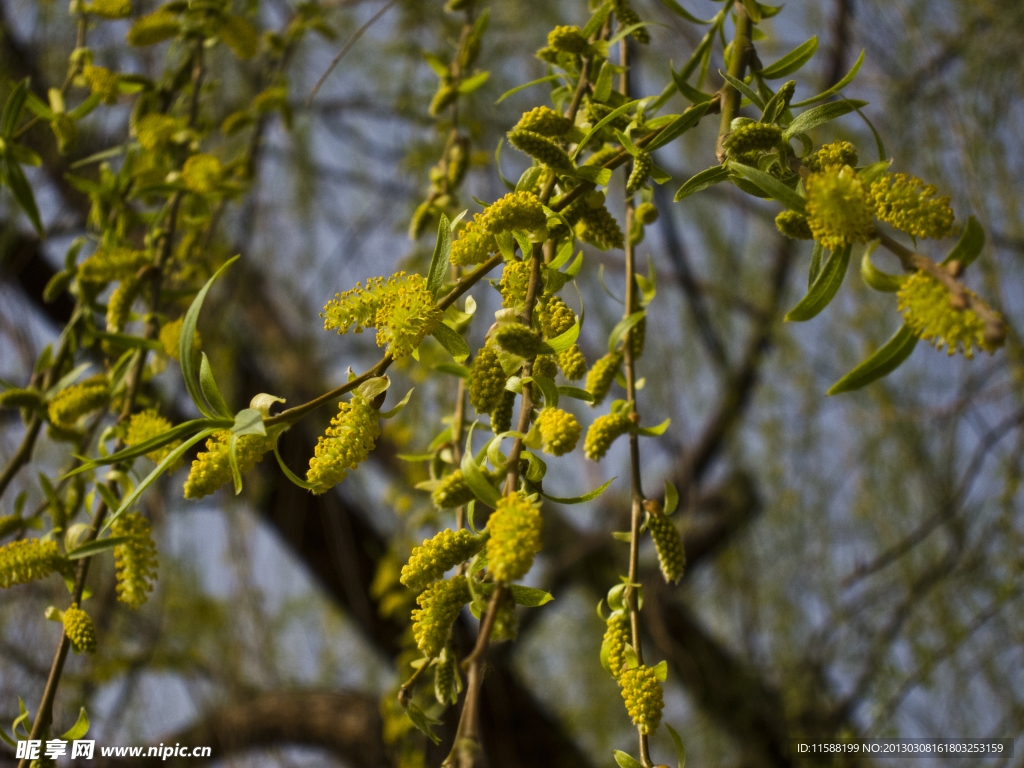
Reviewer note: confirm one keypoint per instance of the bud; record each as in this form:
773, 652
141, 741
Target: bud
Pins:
28, 560
559, 431
501, 416
458, 162
568, 39
69, 405
603, 432
599, 228
474, 244
440, 604
671, 556
453, 491
515, 528
617, 635
147, 425
646, 213
573, 363
446, 550
926, 306
548, 54
627, 17
839, 210
421, 218
838, 153
545, 121
642, 166
212, 469
541, 148
908, 204
642, 693
79, 629
794, 225
517, 339
753, 137
108, 264
346, 444
601, 376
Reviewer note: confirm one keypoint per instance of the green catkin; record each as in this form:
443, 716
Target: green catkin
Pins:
146, 425
545, 365
925, 304
646, 213
446, 550
753, 137
601, 376
545, 121
627, 17
603, 155
439, 606
617, 635
599, 228
559, 431
838, 153
346, 444
28, 560
603, 432
21, 398
110, 9
445, 96
79, 629
516, 210
109, 264
642, 166
839, 210
515, 528
501, 416
541, 148
910, 205
212, 469
794, 225
136, 560
486, 380
445, 688
669, 545
569, 39
474, 244
596, 112
642, 693
453, 491
515, 280
556, 317
517, 339
573, 363
69, 405
119, 306
637, 338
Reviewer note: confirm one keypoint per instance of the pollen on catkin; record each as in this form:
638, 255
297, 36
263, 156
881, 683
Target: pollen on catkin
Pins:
559, 431
79, 629
794, 225
136, 560
28, 560
556, 317
838, 153
669, 545
925, 304
601, 376
439, 606
753, 137
517, 339
541, 148
910, 205
602, 433
474, 244
569, 39
113, 263
70, 404
641, 691
346, 444
486, 380
599, 228
545, 121
501, 416
170, 339
446, 550
627, 17
839, 210
515, 528
453, 491
515, 280
617, 636
146, 425
642, 166
572, 362
212, 469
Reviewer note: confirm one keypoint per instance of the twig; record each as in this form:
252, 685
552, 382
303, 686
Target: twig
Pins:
741, 50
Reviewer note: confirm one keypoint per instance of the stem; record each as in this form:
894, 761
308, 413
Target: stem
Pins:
741, 49
23, 455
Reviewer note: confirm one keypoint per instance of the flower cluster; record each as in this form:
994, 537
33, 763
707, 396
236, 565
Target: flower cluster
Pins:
446, 550
603, 432
146, 425
542, 149
136, 560
927, 307
439, 606
839, 211
638, 337
601, 376
516, 210
515, 528
474, 244
669, 545
79, 629
154, 131
545, 365
70, 404
28, 560
212, 468
910, 205
545, 121
453, 491
348, 441
559, 431
838, 153
642, 693
112, 263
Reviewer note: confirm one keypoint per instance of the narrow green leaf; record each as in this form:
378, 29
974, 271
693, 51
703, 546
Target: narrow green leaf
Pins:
621, 327
236, 472
547, 386
470, 84
579, 499
291, 475
248, 421
792, 61
969, 246
771, 186
528, 596
454, 369
876, 278
631, 29
210, 390
475, 479
702, 180
592, 173
185, 344
373, 386
97, 546
423, 722
653, 431
497, 164
879, 145
743, 88
679, 126
869, 174
816, 116
882, 363
566, 339
398, 406
22, 191
452, 342
824, 288
661, 670
12, 109
837, 87
597, 18
680, 749
625, 761
518, 88
129, 341
671, 499
603, 84
563, 255
576, 392
691, 94
439, 262
677, 9
816, 256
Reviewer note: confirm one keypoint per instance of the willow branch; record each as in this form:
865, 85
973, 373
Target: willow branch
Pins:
740, 53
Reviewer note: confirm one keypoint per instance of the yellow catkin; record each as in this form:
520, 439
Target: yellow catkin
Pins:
669, 545
446, 550
573, 363
925, 304
136, 560
212, 468
601, 376
642, 693
102, 82
439, 606
79, 629
515, 278
202, 174
515, 528
28, 560
516, 210
627, 17
517, 339
542, 149
838, 153
70, 404
545, 121
155, 130
599, 228
545, 365
474, 245
794, 225
453, 491
839, 210
146, 425
556, 317
119, 306
910, 205
603, 432
114, 263
617, 636
347, 443
559, 431
170, 338
486, 380
569, 39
